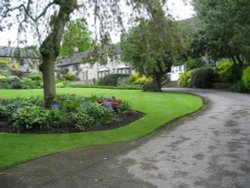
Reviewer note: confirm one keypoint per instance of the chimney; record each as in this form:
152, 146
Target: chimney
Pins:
76, 50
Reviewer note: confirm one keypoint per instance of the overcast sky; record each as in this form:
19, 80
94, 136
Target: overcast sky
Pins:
177, 8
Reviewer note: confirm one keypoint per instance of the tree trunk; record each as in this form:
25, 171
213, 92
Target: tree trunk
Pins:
157, 82
51, 46
238, 67
49, 85
241, 65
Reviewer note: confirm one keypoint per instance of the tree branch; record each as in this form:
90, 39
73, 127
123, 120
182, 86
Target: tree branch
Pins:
44, 11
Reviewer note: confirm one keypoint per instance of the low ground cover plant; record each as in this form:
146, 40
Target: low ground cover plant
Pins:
69, 111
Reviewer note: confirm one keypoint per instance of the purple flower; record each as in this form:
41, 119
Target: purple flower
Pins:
108, 105
54, 106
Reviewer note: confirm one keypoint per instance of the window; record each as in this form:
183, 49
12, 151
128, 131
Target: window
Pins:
123, 71
86, 75
103, 73
76, 67
180, 68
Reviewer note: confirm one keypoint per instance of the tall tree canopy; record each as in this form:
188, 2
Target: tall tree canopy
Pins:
47, 19
154, 45
76, 35
226, 27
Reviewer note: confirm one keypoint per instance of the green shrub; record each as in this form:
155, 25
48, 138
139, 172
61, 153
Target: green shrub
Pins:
11, 79
148, 87
3, 112
70, 106
195, 63
202, 77
70, 77
57, 118
131, 79
246, 78
110, 79
237, 87
12, 105
69, 97
30, 117
16, 85
36, 77
33, 81
13, 82
60, 84
69, 111
143, 80
28, 83
139, 79
82, 120
225, 71
3, 79
185, 79
99, 113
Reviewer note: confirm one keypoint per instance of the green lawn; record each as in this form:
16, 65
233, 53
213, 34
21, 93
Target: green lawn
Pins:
160, 108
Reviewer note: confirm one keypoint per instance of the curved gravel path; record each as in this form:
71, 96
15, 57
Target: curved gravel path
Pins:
210, 149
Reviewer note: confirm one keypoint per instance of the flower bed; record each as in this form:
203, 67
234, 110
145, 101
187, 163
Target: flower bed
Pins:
70, 113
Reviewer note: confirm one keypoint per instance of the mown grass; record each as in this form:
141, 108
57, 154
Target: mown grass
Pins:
159, 108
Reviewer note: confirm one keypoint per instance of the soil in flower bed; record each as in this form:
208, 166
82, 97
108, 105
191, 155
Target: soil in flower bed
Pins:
119, 121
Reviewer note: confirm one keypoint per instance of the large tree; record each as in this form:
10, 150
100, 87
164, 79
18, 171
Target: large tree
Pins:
154, 45
48, 18
226, 27
26, 13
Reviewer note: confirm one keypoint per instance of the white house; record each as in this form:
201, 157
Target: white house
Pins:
176, 71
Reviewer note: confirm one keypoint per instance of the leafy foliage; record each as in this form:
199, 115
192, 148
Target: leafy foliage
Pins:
69, 76
139, 79
237, 87
246, 78
110, 79
69, 110
185, 79
33, 81
153, 46
29, 117
76, 35
195, 63
202, 77
226, 71
225, 28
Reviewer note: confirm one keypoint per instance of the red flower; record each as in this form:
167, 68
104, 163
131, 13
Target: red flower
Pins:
119, 102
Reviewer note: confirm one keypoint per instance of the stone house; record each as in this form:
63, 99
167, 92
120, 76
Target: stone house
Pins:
90, 72
22, 59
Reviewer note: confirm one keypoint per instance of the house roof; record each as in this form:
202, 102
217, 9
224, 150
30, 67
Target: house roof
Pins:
15, 52
81, 57
75, 59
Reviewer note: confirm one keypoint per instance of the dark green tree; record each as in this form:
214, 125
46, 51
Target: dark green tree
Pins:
76, 35
225, 26
153, 46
